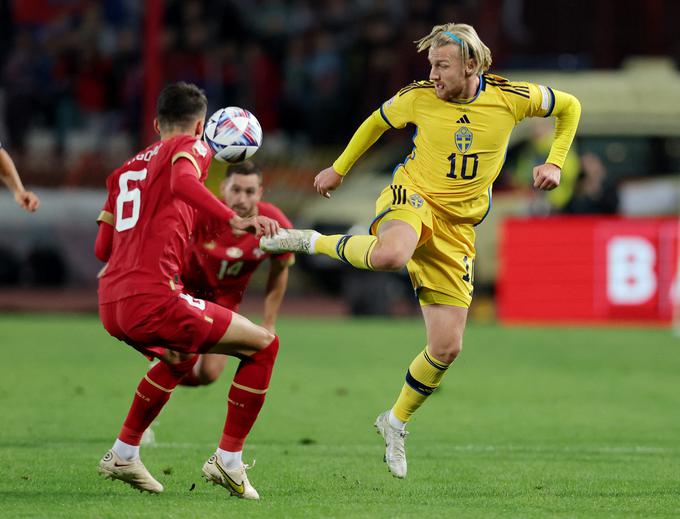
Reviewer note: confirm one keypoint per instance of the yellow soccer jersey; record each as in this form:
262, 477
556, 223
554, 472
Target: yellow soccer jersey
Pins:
459, 147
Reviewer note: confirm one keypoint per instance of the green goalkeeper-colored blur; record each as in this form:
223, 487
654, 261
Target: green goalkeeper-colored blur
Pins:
529, 422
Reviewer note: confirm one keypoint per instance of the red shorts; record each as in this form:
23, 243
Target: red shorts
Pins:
151, 323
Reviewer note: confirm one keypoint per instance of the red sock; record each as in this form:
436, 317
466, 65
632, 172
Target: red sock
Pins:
246, 396
152, 393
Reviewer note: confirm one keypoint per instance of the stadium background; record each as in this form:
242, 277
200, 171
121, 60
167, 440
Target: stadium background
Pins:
557, 419
79, 81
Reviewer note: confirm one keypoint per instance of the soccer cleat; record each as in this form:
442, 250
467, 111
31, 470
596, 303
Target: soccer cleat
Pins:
395, 452
133, 472
234, 480
289, 240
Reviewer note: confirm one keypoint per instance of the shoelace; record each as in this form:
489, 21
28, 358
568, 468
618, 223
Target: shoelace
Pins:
397, 447
294, 241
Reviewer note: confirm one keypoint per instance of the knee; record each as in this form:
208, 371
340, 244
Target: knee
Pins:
268, 339
181, 363
389, 259
266, 347
447, 350
208, 374
272, 347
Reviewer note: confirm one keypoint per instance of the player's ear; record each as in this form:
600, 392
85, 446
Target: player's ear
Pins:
470, 67
156, 126
198, 130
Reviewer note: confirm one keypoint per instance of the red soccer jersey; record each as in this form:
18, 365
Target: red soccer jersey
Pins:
220, 264
151, 225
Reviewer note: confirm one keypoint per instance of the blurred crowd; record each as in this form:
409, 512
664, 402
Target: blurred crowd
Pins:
75, 69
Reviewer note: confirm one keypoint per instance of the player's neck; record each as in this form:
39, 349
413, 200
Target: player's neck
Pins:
176, 133
469, 90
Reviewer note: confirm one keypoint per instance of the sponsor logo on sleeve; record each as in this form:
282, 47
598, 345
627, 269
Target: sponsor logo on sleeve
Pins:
199, 148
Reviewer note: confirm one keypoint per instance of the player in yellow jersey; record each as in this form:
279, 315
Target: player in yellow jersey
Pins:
425, 219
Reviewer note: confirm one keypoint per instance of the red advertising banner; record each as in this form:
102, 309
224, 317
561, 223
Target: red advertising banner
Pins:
588, 269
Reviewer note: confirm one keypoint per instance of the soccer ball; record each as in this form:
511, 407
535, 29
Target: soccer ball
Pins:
234, 134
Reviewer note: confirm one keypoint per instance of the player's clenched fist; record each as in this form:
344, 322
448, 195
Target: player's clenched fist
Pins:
257, 225
326, 181
546, 177
27, 200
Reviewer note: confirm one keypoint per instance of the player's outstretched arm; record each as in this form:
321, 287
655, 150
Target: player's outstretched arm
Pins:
10, 176
185, 185
276, 289
365, 136
326, 181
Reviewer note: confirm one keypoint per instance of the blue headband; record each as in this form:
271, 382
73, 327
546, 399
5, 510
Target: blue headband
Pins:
454, 38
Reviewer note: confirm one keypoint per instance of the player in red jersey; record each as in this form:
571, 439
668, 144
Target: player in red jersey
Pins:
220, 261
144, 230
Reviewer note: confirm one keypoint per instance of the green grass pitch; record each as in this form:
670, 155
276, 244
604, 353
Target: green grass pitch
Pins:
531, 422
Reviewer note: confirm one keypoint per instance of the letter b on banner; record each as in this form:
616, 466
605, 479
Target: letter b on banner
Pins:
631, 278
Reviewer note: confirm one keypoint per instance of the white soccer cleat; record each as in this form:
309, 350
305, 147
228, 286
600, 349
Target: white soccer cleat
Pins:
234, 480
395, 452
133, 473
290, 240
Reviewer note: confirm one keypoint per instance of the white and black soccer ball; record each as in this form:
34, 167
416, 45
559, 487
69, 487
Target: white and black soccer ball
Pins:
234, 134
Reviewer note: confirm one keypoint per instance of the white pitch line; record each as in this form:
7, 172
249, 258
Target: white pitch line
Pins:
592, 449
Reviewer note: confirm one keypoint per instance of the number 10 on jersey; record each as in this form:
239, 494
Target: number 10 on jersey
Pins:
468, 166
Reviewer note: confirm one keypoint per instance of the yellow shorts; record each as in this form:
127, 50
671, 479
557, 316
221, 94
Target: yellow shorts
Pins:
442, 267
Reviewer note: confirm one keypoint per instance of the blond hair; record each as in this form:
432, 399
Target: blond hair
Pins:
465, 37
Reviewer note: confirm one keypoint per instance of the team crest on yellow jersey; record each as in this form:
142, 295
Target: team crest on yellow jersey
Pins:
463, 139
416, 200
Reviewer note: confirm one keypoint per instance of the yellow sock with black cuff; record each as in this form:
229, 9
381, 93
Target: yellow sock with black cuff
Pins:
422, 379
354, 250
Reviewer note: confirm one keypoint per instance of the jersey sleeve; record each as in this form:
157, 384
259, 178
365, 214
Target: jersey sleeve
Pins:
398, 111
530, 99
106, 214
196, 152
104, 242
189, 188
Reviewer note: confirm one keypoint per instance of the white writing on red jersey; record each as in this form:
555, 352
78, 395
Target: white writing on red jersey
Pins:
146, 157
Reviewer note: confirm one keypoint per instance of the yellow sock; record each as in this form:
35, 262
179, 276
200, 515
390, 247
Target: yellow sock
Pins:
422, 378
355, 250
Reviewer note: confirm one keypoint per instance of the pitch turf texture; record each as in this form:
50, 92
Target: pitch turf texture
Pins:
531, 422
